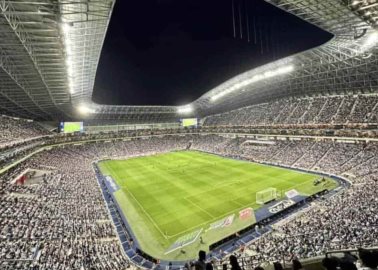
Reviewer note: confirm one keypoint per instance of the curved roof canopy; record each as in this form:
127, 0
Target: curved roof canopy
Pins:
50, 49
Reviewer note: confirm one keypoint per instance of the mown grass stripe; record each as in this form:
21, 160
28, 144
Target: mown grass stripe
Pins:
172, 194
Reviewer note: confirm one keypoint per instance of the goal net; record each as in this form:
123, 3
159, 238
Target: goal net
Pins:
266, 195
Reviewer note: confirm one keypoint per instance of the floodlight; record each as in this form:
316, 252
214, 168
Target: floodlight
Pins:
70, 73
185, 109
370, 42
66, 27
84, 109
70, 86
68, 61
255, 78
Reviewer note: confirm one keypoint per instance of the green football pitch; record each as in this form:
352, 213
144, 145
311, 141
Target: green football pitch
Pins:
168, 196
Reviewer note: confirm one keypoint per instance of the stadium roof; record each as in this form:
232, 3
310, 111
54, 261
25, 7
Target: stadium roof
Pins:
49, 52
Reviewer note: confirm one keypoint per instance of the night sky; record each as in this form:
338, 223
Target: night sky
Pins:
170, 52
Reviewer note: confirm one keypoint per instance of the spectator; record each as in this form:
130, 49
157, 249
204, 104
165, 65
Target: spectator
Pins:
234, 263
209, 266
277, 266
348, 256
296, 265
347, 265
200, 264
331, 263
368, 259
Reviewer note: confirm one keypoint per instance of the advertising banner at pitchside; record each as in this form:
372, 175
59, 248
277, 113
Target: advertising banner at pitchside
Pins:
246, 213
225, 222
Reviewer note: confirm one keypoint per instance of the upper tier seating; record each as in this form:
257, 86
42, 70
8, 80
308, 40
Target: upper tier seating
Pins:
296, 111
13, 131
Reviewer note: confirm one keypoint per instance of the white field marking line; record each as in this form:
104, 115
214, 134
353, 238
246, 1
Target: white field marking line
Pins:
226, 183
306, 182
199, 207
237, 202
224, 215
223, 184
215, 218
301, 184
212, 220
150, 218
242, 179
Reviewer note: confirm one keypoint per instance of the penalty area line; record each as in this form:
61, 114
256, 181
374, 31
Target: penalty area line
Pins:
199, 207
219, 217
148, 215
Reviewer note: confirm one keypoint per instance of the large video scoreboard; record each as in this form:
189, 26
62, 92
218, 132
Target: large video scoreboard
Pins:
71, 127
189, 122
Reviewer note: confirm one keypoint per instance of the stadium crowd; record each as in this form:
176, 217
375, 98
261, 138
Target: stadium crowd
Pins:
15, 131
61, 222
346, 220
356, 109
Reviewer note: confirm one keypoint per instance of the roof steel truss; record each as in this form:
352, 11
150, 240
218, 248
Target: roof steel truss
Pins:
50, 49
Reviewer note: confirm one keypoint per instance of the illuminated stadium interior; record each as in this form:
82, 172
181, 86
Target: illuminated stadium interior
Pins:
277, 166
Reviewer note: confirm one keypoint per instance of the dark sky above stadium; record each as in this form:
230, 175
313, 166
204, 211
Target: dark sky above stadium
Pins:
170, 52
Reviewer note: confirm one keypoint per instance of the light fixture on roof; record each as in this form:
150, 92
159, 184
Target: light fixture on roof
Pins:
66, 29
370, 42
185, 109
70, 74
366, 55
68, 61
258, 77
70, 86
84, 109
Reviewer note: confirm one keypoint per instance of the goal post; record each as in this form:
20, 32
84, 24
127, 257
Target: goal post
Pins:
266, 195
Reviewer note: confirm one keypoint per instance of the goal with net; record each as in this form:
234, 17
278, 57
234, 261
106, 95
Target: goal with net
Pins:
266, 195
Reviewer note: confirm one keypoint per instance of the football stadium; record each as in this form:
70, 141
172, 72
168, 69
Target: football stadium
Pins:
161, 134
